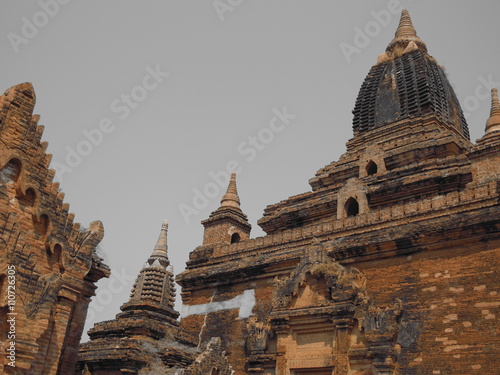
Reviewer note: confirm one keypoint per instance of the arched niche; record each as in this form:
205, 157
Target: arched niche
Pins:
11, 171
351, 207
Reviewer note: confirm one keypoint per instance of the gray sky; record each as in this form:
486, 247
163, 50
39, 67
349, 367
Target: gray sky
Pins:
181, 89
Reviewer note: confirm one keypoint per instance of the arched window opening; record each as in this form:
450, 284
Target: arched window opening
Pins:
54, 257
235, 237
41, 226
215, 370
11, 171
50, 256
351, 207
371, 168
28, 198
58, 257
30, 195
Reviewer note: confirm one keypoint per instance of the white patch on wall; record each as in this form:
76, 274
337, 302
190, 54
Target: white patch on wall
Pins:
245, 302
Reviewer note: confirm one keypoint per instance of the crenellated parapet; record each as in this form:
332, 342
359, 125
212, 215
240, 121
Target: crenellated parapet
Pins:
55, 259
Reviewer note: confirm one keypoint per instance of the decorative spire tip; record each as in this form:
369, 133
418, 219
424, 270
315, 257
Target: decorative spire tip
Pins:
161, 247
493, 123
405, 33
231, 198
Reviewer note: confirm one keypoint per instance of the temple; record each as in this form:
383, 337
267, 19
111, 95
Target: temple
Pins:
48, 263
146, 333
389, 265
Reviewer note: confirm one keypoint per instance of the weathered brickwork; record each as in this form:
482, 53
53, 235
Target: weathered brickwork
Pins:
212, 361
54, 259
390, 265
451, 310
144, 338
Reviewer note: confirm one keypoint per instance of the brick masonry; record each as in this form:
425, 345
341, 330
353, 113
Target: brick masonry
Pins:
389, 265
55, 260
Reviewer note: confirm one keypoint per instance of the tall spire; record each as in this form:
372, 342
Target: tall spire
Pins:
161, 247
231, 198
155, 285
493, 123
405, 34
405, 27
406, 83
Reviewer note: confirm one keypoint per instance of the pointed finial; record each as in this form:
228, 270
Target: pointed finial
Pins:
405, 27
495, 104
493, 123
405, 34
164, 225
161, 247
231, 199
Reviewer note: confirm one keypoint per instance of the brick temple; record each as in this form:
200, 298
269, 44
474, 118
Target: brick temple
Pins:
54, 260
389, 265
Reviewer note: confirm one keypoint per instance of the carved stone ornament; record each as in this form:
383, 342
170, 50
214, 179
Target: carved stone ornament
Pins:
345, 284
258, 336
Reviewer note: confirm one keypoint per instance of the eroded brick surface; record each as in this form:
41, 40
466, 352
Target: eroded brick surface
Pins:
56, 266
145, 337
390, 265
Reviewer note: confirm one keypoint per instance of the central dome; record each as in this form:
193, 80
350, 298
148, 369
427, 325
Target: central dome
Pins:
406, 82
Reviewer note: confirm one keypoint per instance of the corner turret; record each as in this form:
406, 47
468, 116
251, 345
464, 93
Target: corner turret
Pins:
228, 224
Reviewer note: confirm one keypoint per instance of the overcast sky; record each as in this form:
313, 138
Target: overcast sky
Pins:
170, 92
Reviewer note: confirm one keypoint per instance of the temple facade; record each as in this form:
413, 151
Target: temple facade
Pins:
48, 264
146, 337
389, 265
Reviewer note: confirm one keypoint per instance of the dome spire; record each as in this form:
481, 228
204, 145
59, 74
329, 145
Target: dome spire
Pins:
231, 198
493, 123
405, 34
405, 27
406, 82
161, 247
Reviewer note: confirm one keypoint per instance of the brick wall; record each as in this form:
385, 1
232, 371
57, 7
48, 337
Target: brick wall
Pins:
55, 260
